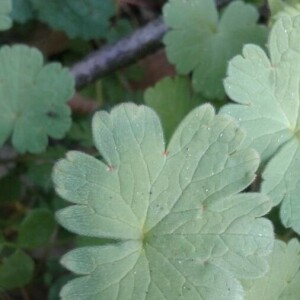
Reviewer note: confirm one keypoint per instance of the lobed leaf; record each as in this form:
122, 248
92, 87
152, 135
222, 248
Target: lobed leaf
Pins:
267, 90
282, 281
202, 42
281, 8
86, 19
182, 230
32, 99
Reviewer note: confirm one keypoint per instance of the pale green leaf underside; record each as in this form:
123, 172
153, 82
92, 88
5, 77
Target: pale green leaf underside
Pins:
5, 10
197, 34
184, 231
268, 91
172, 100
280, 8
32, 99
282, 282
86, 19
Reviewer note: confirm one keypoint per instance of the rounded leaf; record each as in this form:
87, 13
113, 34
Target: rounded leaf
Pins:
182, 229
32, 99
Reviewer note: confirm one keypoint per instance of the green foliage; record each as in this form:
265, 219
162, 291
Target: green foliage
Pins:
281, 8
22, 10
36, 229
32, 99
267, 90
10, 188
169, 204
86, 19
202, 42
184, 232
282, 281
172, 99
5, 10
15, 271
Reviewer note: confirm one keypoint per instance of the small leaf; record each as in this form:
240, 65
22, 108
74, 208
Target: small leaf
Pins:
282, 282
16, 271
32, 99
183, 230
10, 188
86, 19
267, 90
172, 99
5, 10
36, 229
201, 42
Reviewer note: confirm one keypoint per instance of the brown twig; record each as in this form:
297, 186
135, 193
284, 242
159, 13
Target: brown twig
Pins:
124, 52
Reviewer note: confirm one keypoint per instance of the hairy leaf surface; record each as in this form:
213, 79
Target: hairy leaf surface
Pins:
202, 42
267, 90
5, 10
86, 19
183, 231
32, 99
282, 282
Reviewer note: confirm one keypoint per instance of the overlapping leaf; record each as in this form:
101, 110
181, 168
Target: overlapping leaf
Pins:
267, 90
201, 42
172, 99
5, 10
280, 8
86, 19
32, 99
182, 229
282, 282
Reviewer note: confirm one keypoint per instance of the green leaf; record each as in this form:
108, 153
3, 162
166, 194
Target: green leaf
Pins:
22, 10
36, 229
32, 99
10, 188
86, 19
267, 90
5, 10
183, 230
119, 30
81, 133
16, 271
282, 282
172, 99
201, 42
281, 8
